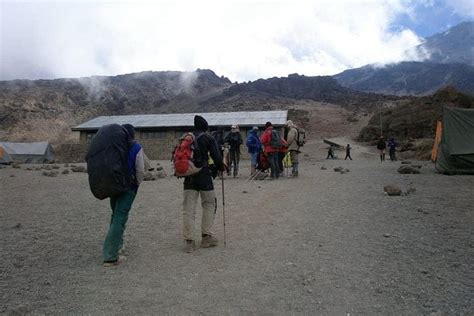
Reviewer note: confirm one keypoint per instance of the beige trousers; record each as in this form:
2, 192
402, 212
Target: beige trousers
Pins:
209, 207
294, 156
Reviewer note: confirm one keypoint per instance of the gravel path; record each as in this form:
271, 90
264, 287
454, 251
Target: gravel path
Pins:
325, 243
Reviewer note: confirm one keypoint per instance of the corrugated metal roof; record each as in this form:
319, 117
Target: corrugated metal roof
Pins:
258, 118
38, 148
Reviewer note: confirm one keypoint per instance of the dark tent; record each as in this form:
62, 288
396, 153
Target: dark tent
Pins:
40, 152
456, 149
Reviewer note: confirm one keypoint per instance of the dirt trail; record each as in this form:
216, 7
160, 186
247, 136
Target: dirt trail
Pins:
322, 243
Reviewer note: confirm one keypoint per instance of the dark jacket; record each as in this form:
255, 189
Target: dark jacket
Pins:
253, 142
207, 146
235, 140
381, 144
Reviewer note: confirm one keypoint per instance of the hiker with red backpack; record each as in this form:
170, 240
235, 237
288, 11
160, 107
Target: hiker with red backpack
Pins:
116, 167
198, 182
271, 141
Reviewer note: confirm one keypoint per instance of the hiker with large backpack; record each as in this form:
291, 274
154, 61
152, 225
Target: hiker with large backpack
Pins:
198, 182
234, 139
295, 140
116, 167
271, 141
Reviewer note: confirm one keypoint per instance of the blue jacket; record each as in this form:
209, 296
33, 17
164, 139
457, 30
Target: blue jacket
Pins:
253, 142
132, 158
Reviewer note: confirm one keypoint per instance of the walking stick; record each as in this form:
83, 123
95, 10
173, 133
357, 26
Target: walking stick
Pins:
223, 207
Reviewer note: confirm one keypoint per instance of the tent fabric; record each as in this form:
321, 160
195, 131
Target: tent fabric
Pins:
456, 151
39, 152
5, 158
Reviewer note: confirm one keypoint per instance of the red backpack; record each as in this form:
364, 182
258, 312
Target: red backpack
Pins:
183, 156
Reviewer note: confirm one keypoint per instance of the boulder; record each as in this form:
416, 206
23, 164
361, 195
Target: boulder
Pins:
405, 169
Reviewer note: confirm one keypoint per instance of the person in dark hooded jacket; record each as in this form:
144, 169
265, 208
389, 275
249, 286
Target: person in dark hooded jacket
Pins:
201, 184
122, 204
234, 139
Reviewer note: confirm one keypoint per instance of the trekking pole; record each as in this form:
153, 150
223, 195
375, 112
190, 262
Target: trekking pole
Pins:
223, 206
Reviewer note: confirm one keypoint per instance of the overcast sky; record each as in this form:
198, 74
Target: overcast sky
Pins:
242, 40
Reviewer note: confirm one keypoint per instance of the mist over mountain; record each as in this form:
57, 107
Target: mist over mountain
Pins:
449, 62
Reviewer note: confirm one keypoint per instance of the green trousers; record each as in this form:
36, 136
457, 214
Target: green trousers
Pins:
121, 206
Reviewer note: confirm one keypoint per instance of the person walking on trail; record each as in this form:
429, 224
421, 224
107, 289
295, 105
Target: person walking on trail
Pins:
381, 146
348, 152
201, 184
330, 152
271, 150
234, 139
254, 147
293, 147
392, 148
122, 203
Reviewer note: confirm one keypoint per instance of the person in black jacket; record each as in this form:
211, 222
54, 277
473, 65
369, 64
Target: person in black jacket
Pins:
234, 139
201, 184
381, 146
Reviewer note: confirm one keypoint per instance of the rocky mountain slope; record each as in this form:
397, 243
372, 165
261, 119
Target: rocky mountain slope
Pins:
47, 109
449, 62
409, 78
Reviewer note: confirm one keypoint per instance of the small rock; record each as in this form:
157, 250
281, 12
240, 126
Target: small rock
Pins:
342, 172
66, 165
78, 169
417, 166
29, 169
12, 176
347, 170
38, 168
405, 169
406, 162
55, 167
323, 168
386, 235
424, 271
16, 165
244, 191
310, 291
50, 173
159, 168
151, 169
65, 171
392, 190
47, 167
17, 226
338, 169
411, 189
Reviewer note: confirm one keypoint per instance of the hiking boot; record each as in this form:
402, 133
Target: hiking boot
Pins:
208, 241
189, 246
107, 264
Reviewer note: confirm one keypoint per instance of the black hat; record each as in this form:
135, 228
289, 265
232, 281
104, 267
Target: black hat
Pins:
200, 124
130, 130
268, 124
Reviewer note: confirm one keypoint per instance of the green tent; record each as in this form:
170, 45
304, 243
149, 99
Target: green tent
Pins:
456, 149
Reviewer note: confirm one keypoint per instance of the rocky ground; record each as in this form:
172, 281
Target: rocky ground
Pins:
323, 243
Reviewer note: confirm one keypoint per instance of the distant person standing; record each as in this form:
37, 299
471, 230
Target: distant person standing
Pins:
271, 149
330, 152
293, 147
381, 146
392, 148
234, 139
254, 147
348, 152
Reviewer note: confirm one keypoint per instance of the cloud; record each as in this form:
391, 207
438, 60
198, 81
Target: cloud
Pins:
464, 8
243, 40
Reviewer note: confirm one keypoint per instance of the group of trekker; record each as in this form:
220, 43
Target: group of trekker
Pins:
208, 152
392, 148
269, 148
